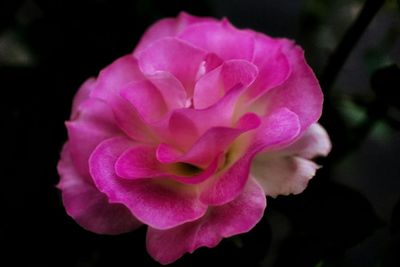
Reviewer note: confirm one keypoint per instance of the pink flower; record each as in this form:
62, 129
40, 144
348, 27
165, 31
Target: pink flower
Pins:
189, 133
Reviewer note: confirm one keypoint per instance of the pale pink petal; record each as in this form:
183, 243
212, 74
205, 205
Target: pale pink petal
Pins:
221, 38
146, 99
272, 63
94, 122
314, 142
300, 93
161, 205
174, 56
283, 175
238, 216
82, 94
277, 130
169, 27
288, 171
88, 206
213, 85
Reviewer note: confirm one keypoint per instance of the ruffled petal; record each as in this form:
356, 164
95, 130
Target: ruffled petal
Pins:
94, 122
276, 130
272, 63
159, 204
288, 171
88, 206
174, 56
236, 217
169, 27
146, 99
82, 95
300, 93
221, 38
214, 85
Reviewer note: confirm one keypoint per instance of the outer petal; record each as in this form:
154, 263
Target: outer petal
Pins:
300, 93
214, 85
222, 39
82, 95
288, 171
238, 216
174, 56
88, 206
169, 27
277, 130
273, 64
161, 205
94, 122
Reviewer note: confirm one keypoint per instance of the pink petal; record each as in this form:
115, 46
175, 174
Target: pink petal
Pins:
212, 86
277, 129
82, 94
115, 76
174, 56
273, 65
220, 38
212, 143
94, 122
168, 27
146, 99
140, 162
300, 93
283, 175
161, 205
88, 206
236, 217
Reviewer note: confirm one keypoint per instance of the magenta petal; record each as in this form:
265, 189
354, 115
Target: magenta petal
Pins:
140, 162
161, 205
115, 76
214, 142
276, 130
82, 95
93, 123
221, 38
213, 85
88, 206
174, 56
236, 217
274, 67
301, 92
146, 99
169, 27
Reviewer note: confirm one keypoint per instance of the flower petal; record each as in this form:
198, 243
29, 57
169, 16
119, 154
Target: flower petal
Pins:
288, 171
94, 122
221, 38
174, 56
82, 95
300, 93
273, 65
213, 85
146, 99
88, 206
276, 130
169, 27
236, 217
159, 204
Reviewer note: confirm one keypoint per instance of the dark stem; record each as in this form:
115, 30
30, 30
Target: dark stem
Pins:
349, 40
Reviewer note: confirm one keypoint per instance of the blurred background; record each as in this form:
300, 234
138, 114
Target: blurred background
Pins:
348, 216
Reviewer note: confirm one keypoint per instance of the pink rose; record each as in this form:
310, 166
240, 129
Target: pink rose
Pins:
189, 133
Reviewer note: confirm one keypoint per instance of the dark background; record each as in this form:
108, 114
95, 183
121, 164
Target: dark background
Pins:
348, 216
